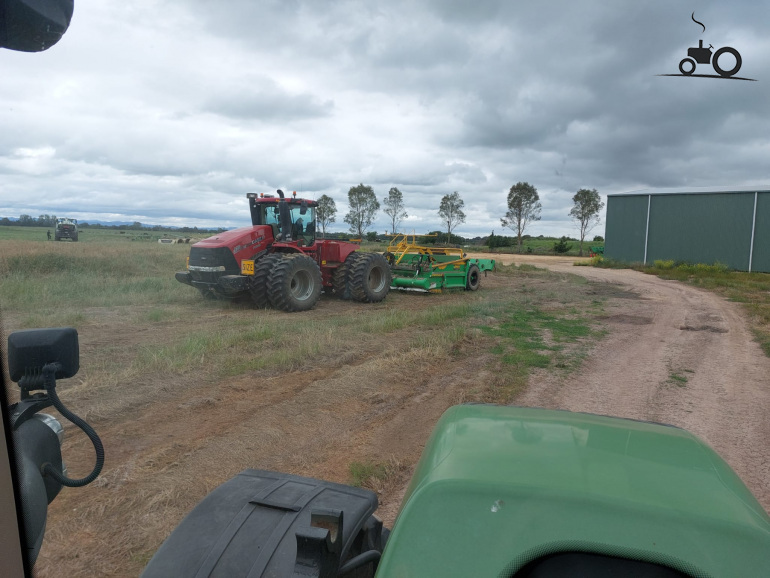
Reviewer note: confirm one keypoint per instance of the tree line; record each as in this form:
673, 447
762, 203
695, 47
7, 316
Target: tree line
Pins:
30, 221
50, 221
524, 208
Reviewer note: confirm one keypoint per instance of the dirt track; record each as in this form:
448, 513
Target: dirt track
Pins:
673, 332
672, 354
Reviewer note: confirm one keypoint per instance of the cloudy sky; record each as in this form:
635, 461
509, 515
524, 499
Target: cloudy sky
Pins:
169, 112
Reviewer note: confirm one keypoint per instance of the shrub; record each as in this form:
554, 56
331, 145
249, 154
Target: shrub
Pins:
561, 246
717, 267
660, 264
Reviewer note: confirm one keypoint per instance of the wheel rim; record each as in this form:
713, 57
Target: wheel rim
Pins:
301, 286
474, 277
377, 279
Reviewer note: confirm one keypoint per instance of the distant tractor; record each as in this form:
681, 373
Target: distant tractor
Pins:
279, 262
66, 229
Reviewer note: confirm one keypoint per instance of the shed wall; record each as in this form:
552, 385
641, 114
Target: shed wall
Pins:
701, 228
693, 227
761, 257
626, 227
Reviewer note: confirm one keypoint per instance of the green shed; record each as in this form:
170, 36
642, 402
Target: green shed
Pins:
728, 225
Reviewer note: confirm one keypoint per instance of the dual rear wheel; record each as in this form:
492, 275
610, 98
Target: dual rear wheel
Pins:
292, 282
363, 277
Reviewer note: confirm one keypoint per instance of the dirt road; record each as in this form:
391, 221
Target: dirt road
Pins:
677, 355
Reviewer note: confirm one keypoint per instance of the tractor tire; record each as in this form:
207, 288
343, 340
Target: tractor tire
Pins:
75, 237
473, 280
262, 270
370, 278
726, 50
341, 277
690, 66
295, 283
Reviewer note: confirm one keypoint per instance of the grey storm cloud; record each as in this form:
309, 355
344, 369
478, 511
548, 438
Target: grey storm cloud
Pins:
172, 113
263, 101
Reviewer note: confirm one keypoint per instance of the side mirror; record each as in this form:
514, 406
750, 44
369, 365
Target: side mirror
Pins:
30, 350
303, 207
33, 25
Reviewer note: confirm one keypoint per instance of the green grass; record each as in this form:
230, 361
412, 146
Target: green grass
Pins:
47, 278
677, 379
362, 474
545, 247
90, 235
529, 337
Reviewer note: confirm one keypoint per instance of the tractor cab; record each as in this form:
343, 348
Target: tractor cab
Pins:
291, 219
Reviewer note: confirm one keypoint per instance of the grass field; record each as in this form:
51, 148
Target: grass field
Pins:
47, 284
156, 358
545, 247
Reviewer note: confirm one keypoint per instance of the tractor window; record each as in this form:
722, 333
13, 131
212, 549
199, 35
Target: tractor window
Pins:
272, 216
303, 226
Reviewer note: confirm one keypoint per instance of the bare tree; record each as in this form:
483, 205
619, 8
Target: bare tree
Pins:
523, 208
451, 212
325, 212
394, 208
363, 206
585, 213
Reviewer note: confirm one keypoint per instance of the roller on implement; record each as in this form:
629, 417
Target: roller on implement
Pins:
433, 269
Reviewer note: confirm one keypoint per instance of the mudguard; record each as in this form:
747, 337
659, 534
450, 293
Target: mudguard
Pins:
263, 523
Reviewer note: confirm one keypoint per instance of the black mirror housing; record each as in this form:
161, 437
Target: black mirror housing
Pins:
33, 25
31, 349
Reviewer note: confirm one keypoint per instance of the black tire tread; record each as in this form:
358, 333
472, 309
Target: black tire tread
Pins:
469, 286
359, 278
341, 277
262, 270
279, 283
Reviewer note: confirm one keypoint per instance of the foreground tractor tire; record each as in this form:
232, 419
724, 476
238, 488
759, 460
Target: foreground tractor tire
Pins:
341, 277
473, 281
370, 278
295, 283
262, 270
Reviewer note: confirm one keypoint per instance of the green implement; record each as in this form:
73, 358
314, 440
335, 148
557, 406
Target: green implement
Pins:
433, 268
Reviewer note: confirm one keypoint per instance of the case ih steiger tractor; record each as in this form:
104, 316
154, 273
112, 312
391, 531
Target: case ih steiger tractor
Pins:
278, 261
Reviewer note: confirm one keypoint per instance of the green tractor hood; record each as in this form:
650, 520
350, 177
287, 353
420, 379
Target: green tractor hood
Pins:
500, 487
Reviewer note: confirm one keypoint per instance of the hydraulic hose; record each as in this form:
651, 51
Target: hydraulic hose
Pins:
370, 556
49, 380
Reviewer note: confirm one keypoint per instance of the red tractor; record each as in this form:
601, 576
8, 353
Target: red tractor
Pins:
278, 261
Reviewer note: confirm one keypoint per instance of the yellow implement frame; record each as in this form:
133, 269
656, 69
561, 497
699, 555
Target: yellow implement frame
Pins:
404, 244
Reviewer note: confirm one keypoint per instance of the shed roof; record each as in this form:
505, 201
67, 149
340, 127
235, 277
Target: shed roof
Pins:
694, 191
